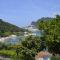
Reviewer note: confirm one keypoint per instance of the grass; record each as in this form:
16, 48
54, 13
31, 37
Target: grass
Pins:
55, 58
7, 53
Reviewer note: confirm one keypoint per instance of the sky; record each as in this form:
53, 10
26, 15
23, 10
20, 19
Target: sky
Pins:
23, 12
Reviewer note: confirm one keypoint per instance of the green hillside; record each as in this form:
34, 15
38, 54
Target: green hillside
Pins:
7, 28
51, 36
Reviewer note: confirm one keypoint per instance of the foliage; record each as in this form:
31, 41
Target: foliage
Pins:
7, 29
51, 29
7, 53
28, 49
31, 42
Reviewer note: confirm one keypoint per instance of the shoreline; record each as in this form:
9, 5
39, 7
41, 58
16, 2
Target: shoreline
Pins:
2, 39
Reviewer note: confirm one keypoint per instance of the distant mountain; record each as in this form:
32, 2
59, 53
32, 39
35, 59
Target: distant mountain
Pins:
45, 18
42, 19
33, 23
8, 28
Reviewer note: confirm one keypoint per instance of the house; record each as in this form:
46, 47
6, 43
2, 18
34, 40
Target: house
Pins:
43, 55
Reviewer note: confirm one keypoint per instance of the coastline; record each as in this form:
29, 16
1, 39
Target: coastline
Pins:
2, 39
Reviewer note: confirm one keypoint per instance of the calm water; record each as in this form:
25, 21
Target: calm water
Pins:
13, 40
18, 39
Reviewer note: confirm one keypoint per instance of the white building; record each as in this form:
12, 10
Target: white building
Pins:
33, 31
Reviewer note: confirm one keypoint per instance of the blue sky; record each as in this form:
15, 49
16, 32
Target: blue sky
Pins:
23, 12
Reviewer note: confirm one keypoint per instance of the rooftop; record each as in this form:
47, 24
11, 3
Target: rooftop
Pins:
42, 54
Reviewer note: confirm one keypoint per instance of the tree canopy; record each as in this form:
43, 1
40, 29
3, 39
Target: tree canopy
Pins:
51, 29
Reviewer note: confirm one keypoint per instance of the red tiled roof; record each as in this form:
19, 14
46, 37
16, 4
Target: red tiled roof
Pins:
42, 54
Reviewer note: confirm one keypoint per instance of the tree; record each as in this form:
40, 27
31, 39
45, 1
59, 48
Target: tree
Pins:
32, 42
30, 46
51, 29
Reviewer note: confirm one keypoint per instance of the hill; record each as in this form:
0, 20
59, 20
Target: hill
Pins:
8, 28
51, 33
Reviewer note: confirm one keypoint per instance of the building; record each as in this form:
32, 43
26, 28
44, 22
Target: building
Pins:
33, 31
43, 55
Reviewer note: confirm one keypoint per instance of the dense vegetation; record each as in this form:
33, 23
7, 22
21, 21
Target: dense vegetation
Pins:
24, 51
7, 29
31, 45
51, 35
